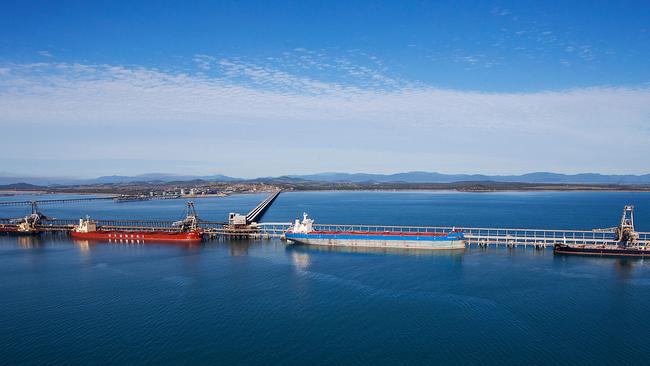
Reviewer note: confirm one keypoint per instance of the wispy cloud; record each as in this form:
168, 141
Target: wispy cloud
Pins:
302, 70
204, 62
45, 54
246, 106
559, 46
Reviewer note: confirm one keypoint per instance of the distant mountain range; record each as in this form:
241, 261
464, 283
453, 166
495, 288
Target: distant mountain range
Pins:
160, 177
408, 177
111, 179
426, 177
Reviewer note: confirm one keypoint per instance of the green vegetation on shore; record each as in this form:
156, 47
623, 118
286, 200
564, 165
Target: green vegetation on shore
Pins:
207, 187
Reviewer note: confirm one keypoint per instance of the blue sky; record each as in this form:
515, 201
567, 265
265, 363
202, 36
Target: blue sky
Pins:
277, 87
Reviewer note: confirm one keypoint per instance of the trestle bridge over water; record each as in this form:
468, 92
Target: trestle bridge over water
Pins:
249, 228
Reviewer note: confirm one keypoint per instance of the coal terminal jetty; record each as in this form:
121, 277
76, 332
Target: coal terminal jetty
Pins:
619, 240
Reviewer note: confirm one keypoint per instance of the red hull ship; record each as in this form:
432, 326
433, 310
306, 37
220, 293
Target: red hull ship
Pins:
185, 231
144, 236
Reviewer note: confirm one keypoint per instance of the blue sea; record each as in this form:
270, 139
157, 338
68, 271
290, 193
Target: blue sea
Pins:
259, 302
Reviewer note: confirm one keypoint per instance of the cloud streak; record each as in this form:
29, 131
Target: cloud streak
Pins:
339, 125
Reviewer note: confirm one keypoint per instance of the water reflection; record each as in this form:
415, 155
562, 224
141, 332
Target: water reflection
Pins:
239, 248
455, 253
30, 241
301, 260
86, 245
625, 267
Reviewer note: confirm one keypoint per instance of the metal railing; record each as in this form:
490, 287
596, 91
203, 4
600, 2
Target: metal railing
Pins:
516, 236
480, 236
60, 200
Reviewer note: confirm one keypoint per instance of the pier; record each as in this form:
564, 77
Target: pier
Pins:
256, 213
115, 198
481, 236
242, 227
54, 224
53, 201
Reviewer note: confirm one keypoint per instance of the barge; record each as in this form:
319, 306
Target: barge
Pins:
304, 233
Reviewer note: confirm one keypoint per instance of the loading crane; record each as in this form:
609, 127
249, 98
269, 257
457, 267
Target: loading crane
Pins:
29, 223
624, 232
191, 220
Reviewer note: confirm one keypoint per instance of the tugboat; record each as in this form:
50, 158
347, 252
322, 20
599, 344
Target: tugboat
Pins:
304, 233
624, 243
185, 231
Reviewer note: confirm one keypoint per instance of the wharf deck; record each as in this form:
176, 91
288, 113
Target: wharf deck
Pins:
473, 235
58, 200
256, 213
478, 235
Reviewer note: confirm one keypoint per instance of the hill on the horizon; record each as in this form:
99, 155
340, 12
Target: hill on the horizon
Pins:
407, 177
159, 177
112, 179
426, 177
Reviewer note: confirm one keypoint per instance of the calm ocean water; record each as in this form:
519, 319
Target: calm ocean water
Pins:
257, 302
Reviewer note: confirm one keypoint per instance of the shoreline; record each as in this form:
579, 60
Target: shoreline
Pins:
11, 193
200, 189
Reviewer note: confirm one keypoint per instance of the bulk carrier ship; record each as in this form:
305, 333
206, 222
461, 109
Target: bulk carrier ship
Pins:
186, 231
625, 242
304, 233
87, 229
